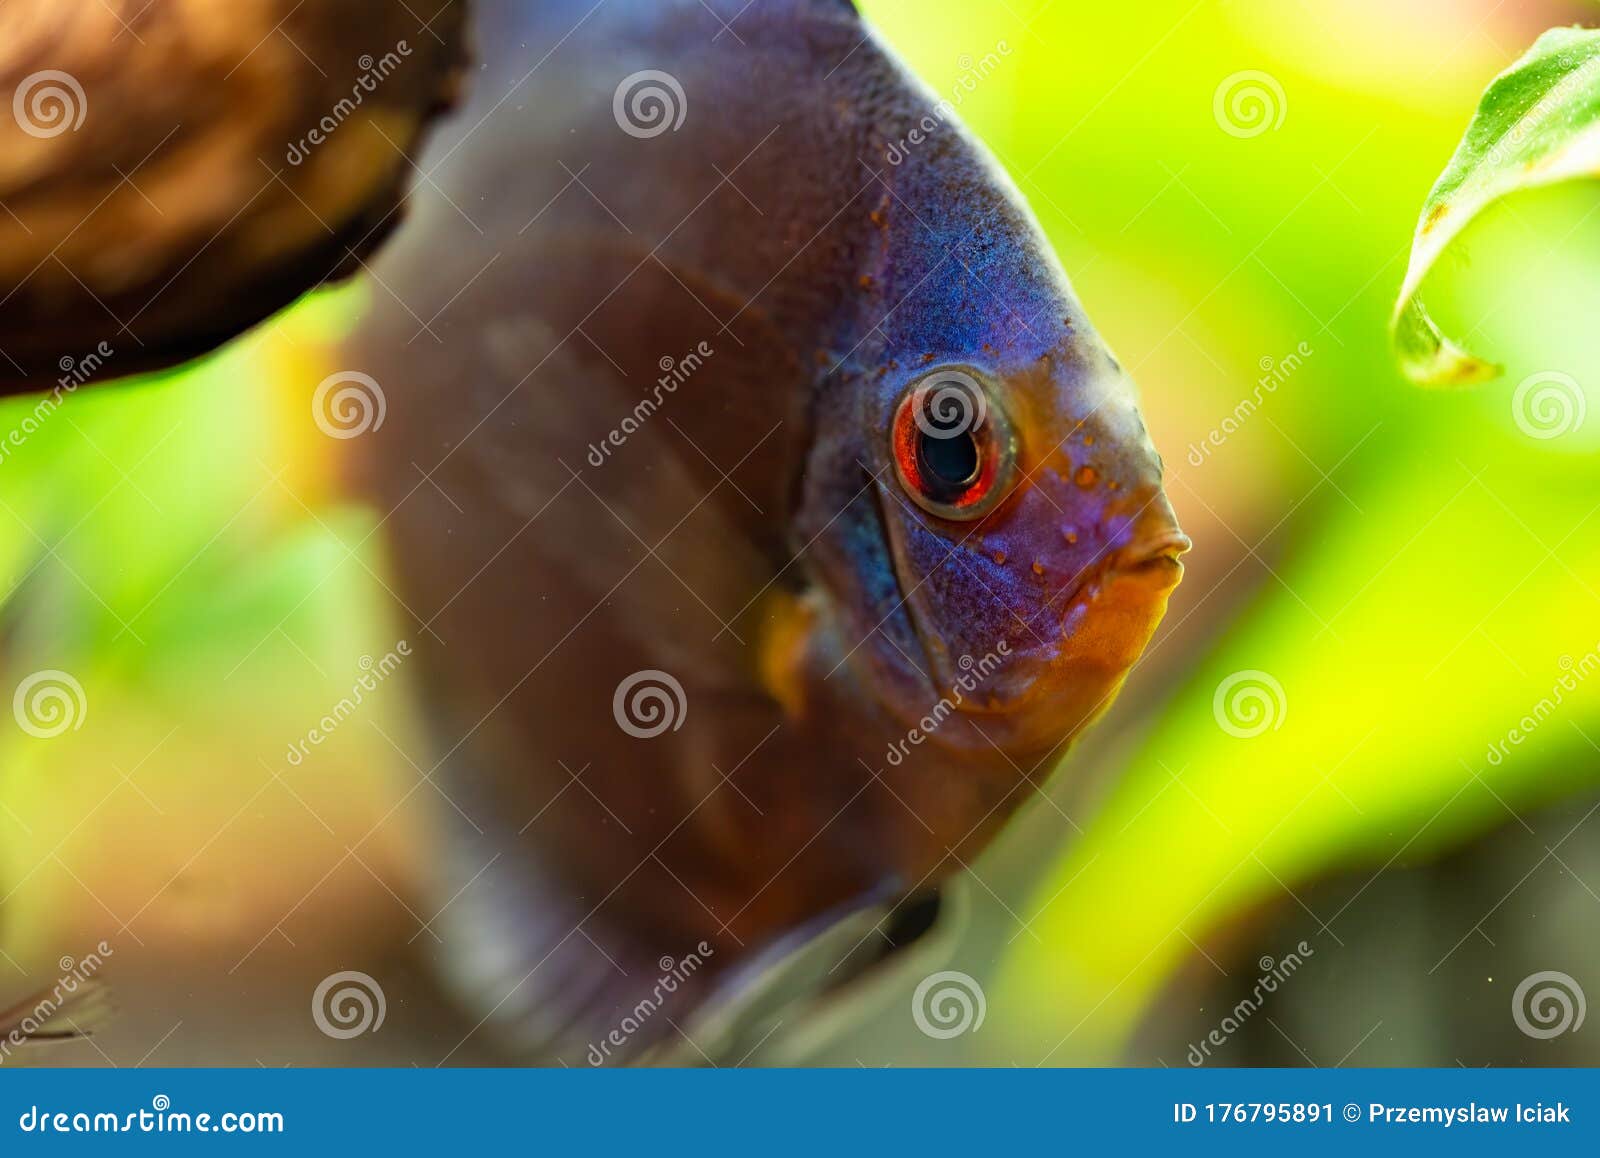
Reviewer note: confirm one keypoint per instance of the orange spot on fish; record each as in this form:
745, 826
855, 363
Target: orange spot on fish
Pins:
999, 557
1038, 567
865, 281
1086, 477
1071, 536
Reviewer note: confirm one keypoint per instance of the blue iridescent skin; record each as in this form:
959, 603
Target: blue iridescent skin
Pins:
878, 652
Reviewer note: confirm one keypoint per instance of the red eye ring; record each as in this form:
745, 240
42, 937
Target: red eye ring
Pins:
952, 445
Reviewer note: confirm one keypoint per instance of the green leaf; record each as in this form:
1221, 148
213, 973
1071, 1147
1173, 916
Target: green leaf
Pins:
1538, 124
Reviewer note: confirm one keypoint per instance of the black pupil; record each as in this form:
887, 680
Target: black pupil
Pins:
950, 462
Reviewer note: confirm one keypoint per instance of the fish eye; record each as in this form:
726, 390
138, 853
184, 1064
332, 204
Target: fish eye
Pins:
952, 444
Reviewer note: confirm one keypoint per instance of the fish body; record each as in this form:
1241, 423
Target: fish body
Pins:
771, 513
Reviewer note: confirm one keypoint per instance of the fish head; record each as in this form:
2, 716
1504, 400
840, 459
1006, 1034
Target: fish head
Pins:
1022, 549
1029, 536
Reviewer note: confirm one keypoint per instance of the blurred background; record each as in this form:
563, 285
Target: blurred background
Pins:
1344, 809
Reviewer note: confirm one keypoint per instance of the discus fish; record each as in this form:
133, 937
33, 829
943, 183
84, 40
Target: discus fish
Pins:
771, 511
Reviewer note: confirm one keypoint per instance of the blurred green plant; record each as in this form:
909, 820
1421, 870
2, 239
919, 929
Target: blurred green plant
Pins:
172, 545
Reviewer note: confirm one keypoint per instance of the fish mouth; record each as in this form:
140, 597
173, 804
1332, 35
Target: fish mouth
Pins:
1162, 555
1106, 615
1109, 614
1156, 559
1109, 618
1112, 614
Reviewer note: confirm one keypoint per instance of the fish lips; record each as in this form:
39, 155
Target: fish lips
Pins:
1109, 621
1123, 599
1040, 695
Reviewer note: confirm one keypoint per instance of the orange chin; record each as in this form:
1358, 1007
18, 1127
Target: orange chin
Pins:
1106, 629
